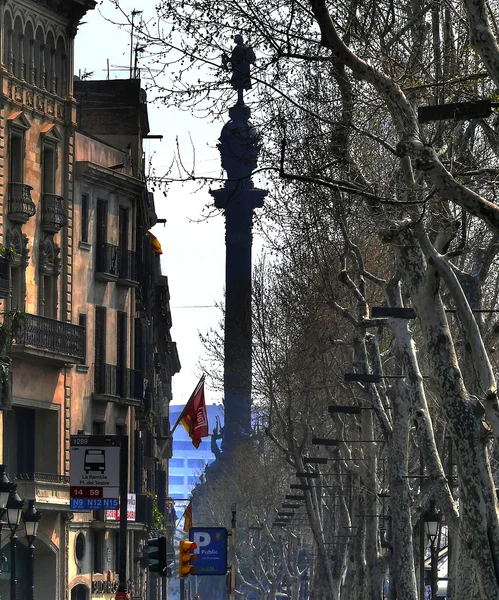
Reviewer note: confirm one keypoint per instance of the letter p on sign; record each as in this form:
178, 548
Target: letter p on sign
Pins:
201, 538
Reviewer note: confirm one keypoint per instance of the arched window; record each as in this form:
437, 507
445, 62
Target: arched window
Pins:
79, 592
49, 267
7, 40
17, 48
29, 36
60, 69
39, 58
19, 243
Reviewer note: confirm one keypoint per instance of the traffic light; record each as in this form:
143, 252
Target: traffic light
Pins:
157, 555
185, 558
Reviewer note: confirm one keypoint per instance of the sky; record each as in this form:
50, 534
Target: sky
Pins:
193, 247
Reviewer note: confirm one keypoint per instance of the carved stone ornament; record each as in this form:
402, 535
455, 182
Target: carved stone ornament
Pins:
18, 241
60, 112
9, 89
29, 98
49, 262
39, 103
51, 107
18, 94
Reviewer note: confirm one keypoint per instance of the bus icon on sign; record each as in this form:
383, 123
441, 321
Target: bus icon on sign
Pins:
95, 460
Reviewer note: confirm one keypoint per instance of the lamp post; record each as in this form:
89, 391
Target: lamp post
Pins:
31, 518
432, 521
14, 510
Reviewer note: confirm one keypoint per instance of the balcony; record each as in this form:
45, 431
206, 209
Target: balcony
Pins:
105, 383
132, 391
4, 277
57, 342
107, 263
20, 205
127, 269
54, 217
49, 490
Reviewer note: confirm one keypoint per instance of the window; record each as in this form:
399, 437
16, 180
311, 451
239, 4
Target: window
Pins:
98, 428
49, 166
98, 555
121, 353
16, 155
18, 242
196, 463
84, 218
188, 446
123, 241
82, 321
100, 349
50, 267
121, 429
176, 463
176, 480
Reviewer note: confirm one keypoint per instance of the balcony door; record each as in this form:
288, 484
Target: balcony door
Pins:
100, 349
123, 241
101, 234
121, 349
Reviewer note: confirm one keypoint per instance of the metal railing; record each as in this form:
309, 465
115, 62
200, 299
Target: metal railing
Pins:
21, 206
127, 265
107, 260
54, 216
51, 335
40, 477
105, 380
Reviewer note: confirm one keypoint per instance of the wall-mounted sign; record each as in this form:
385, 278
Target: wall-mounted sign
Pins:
211, 551
94, 472
114, 515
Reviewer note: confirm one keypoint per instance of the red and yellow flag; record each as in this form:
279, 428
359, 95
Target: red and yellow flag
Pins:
194, 416
188, 517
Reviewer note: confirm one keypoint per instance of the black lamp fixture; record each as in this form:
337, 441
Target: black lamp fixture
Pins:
14, 508
307, 475
432, 520
315, 460
300, 486
324, 442
5, 488
31, 518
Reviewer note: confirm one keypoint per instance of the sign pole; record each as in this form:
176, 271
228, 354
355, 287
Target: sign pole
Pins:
122, 593
233, 562
182, 588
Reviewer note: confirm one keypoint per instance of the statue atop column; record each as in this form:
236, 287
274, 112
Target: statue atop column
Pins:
239, 142
240, 63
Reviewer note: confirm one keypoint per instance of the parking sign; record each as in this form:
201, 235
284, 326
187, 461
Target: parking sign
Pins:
211, 550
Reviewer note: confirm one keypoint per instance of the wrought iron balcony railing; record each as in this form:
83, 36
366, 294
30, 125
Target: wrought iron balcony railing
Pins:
105, 380
54, 217
21, 206
134, 385
107, 262
41, 477
54, 340
4, 277
127, 269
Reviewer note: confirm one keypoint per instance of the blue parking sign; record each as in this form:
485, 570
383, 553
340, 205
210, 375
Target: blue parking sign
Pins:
211, 551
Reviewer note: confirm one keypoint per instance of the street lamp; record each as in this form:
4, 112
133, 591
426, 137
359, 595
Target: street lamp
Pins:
31, 518
14, 510
432, 521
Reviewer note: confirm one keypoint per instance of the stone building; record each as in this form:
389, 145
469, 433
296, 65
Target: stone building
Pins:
93, 352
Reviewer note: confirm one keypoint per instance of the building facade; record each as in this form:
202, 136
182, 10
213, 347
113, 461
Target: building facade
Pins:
188, 463
90, 349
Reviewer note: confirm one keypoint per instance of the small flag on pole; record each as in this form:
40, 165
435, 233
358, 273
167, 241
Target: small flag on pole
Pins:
188, 517
194, 416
